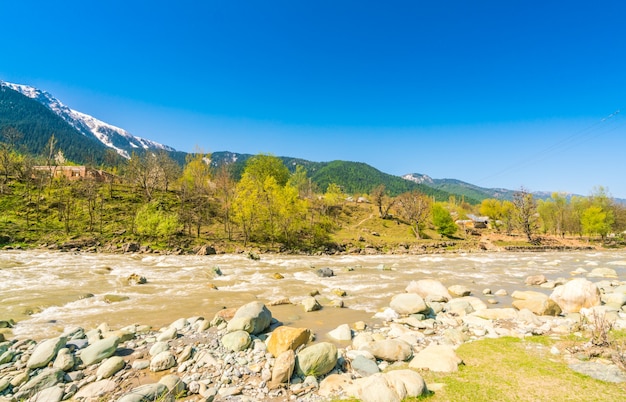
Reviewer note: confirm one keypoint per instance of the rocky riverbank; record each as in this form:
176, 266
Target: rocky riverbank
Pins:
245, 354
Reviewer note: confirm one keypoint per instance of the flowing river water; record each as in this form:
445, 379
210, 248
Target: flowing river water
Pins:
44, 292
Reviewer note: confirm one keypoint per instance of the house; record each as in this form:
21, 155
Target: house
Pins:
76, 173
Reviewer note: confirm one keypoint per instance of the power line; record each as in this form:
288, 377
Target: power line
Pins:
600, 127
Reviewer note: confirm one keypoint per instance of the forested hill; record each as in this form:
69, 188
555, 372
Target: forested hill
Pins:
37, 123
352, 177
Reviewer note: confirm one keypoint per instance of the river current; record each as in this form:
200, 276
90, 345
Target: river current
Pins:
45, 292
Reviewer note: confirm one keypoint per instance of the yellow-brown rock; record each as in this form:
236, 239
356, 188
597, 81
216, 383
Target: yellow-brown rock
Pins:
287, 338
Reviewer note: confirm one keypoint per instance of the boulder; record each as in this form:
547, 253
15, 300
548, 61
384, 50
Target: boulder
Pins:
50, 394
439, 358
459, 291
64, 360
576, 294
45, 352
602, 273
336, 384
363, 366
168, 334
149, 392
110, 366
615, 299
408, 303
236, 341
174, 383
206, 250
287, 338
95, 391
428, 287
393, 386
254, 318
283, 367
325, 272
99, 350
316, 360
163, 361
538, 305
496, 313
311, 304
46, 378
136, 279
341, 333
535, 280
158, 347
391, 350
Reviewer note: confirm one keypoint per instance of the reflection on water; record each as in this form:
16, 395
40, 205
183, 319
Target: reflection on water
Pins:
46, 291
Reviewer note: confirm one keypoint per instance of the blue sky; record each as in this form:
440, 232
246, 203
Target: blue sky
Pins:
495, 93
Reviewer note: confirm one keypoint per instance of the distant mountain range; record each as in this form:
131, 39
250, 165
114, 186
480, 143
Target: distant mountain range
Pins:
85, 139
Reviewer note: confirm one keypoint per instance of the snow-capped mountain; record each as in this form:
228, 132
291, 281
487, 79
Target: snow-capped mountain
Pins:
111, 136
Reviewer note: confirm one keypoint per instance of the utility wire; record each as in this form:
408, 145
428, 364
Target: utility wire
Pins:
600, 127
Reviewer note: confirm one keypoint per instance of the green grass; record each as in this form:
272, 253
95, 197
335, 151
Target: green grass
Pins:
511, 369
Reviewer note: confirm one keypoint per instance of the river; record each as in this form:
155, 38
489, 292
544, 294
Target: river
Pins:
44, 292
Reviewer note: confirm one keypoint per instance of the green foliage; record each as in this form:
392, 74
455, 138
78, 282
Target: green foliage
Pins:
153, 220
443, 220
595, 221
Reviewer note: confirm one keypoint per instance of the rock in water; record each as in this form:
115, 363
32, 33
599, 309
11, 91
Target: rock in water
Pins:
325, 272
254, 318
311, 304
316, 360
429, 287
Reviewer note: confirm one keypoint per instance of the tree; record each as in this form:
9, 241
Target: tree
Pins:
225, 192
382, 200
170, 170
594, 220
153, 220
195, 192
144, 172
525, 212
301, 182
414, 207
443, 220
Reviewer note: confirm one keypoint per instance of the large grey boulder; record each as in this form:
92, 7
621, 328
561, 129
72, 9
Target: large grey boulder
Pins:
99, 350
64, 360
576, 294
364, 366
47, 378
311, 304
110, 366
316, 360
393, 386
254, 318
174, 383
408, 303
45, 352
162, 361
341, 333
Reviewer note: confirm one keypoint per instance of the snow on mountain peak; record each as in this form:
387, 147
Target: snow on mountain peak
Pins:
113, 137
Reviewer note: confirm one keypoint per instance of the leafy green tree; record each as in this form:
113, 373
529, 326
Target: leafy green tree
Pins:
301, 182
195, 192
443, 220
595, 220
153, 220
414, 207
262, 166
225, 188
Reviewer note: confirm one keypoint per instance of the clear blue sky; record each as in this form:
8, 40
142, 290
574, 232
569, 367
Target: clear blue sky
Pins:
495, 93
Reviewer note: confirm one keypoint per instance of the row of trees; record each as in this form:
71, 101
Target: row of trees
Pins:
268, 204
595, 215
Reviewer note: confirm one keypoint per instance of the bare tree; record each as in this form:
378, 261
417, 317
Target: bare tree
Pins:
414, 207
382, 200
526, 214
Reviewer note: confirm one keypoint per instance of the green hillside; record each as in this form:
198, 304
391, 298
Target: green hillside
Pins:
37, 123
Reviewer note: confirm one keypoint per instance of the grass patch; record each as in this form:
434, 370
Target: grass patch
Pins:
511, 369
